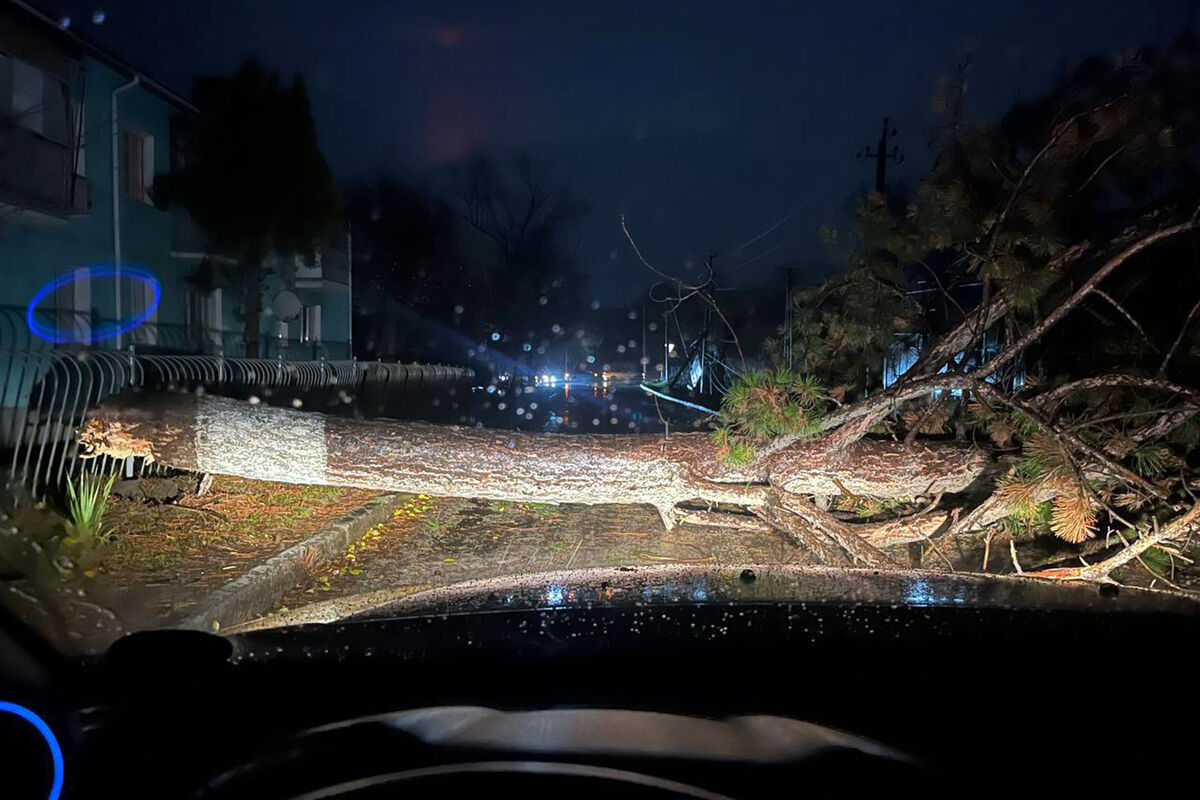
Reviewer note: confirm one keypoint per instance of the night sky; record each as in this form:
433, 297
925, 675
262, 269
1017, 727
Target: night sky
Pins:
705, 123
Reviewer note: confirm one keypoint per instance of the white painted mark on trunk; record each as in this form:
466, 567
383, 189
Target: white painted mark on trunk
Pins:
261, 442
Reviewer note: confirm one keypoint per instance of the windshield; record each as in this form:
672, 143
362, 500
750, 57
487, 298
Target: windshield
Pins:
309, 311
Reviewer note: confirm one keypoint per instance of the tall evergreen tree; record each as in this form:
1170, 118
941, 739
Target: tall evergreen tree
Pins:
254, 178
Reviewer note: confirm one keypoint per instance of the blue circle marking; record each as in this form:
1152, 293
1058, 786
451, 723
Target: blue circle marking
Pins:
105, 331
51, 742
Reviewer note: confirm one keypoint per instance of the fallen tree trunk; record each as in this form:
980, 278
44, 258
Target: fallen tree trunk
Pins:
225, 436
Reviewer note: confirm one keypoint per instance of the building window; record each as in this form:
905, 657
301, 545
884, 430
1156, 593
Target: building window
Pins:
307, 274
139, 165
310, 325
73, 308
34, 100
142, 296
28, 90
203, 319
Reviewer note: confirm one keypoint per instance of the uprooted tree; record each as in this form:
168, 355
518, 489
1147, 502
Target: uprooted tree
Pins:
1074, 219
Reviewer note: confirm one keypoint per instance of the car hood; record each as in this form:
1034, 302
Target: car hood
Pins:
682, 585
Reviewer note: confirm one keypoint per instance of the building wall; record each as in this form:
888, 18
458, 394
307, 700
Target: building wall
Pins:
40, 241
34, 250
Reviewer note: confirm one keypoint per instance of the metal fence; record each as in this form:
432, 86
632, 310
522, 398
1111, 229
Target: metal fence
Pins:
45, 396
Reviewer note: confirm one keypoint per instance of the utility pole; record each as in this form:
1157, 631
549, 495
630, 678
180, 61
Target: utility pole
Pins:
787, 315
881, 155
350, 289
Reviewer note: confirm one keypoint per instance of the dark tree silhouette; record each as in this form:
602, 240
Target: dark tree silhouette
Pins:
519, 247
410, 238
254, 178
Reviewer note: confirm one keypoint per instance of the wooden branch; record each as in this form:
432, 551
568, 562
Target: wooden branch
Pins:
1074, 442
992, 510
1162, 370
844, 534
723, 519
803, 533
877, 406
980, 319
1165, 424
1055, 135
1037, 331
870, 410
1123, 312
1100, 571
1098, 169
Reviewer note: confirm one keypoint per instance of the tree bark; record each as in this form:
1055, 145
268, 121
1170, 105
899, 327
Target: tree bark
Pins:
220, 435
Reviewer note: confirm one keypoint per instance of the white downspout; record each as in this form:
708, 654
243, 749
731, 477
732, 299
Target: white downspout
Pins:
350, 290
116, 198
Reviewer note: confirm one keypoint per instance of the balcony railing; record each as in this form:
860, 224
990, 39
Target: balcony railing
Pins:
37, 174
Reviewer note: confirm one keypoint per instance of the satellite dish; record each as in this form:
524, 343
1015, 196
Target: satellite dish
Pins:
286, 306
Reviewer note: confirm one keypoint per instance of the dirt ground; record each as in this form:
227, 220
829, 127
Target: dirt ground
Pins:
165, 557
432, 542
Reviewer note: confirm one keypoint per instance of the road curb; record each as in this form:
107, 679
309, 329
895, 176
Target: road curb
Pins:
260, 589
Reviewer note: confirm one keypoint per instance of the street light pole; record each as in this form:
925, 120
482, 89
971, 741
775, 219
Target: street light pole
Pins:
645, 355
666, 349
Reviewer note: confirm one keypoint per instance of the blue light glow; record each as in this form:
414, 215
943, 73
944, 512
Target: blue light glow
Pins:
921, 594
105, 331
51, 742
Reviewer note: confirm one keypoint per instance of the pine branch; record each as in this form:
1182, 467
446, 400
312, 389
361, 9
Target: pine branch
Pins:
1100, 571
1037, 331
1073, 442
